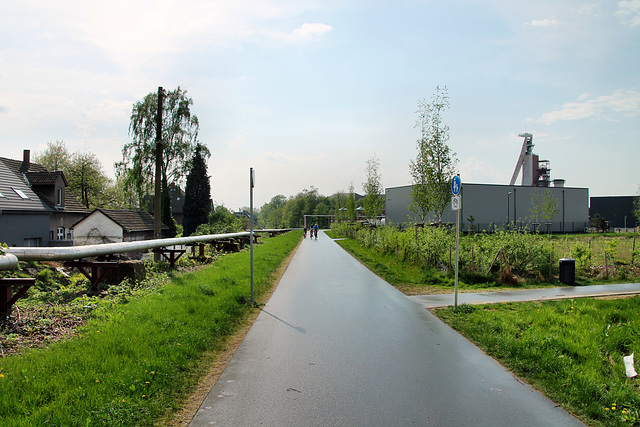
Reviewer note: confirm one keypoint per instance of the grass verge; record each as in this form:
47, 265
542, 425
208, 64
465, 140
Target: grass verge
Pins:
139, 359
415, 280
571, 350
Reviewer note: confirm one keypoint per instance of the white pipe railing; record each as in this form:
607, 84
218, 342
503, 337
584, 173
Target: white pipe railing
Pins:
8, 262
12, 255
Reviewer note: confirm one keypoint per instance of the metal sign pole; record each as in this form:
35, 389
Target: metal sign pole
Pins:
455, 302
456, 204
251, 184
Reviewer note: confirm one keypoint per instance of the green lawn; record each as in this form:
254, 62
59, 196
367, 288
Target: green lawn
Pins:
138, 359
572, 350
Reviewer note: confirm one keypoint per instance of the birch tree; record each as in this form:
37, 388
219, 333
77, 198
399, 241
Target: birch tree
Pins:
435, 163
373, 202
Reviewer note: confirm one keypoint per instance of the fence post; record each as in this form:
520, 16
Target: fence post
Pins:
473, 260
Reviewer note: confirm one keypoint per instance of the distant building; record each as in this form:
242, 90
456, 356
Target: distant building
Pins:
177, 203
494, 205
245, 216
66, 210
616, 210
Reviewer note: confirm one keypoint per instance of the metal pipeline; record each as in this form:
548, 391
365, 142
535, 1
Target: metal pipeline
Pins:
8, 262
13, 254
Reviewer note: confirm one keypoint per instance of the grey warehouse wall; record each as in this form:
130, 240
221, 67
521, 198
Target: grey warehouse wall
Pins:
492, 206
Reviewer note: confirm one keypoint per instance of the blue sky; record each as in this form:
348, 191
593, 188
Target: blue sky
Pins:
306, 91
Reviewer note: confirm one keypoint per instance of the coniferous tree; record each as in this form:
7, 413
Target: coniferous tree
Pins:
197, 194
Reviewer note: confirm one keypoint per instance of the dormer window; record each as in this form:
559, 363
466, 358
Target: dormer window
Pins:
59, 197
20, 193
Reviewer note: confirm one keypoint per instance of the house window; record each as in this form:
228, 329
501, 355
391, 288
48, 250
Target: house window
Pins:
20, 193
60, 235
59, 197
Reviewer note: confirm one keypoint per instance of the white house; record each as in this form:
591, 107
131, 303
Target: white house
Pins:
114, 226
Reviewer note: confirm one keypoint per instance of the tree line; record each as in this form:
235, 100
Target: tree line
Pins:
184, 161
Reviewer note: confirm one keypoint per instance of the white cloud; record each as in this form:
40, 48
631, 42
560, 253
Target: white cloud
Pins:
134, 34
544, 22
625, 102
303, 34
288, 158
236, 141
629, 11
307, 31
474, 170
108, 110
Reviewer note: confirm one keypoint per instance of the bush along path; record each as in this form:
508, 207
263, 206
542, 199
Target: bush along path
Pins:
419, 260
138, 359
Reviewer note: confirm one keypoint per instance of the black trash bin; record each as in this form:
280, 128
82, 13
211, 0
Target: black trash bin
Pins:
567, 271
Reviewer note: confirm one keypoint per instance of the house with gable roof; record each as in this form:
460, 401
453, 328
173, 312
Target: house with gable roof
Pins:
66, 210
114, 226
24, 218
32, 196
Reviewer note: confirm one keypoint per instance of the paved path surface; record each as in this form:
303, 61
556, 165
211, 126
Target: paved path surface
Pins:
432, 301
337, 346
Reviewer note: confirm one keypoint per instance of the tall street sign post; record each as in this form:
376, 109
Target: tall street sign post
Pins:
456, 204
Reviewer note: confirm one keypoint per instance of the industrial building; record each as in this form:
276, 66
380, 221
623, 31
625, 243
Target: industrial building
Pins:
491, 206
494, 205
617, 211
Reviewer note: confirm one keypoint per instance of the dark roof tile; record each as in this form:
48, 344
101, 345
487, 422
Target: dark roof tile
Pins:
131, 221
45, 178
11, 200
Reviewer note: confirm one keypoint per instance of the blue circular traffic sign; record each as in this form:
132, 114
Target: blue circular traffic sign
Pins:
456, 184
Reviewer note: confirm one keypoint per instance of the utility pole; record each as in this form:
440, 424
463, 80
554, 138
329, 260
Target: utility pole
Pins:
157, 199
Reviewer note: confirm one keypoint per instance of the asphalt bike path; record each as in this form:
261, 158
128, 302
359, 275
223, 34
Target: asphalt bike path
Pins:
567, 292
338, 346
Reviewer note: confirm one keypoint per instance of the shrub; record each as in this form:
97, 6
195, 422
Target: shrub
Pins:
582, 254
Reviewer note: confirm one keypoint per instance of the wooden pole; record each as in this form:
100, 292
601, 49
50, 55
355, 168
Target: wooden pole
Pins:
157, 199
473, 260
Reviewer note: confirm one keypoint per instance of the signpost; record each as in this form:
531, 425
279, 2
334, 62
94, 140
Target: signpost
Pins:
456, 185
456, 205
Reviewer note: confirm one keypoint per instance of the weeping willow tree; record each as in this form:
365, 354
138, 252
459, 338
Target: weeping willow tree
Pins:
179, 139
